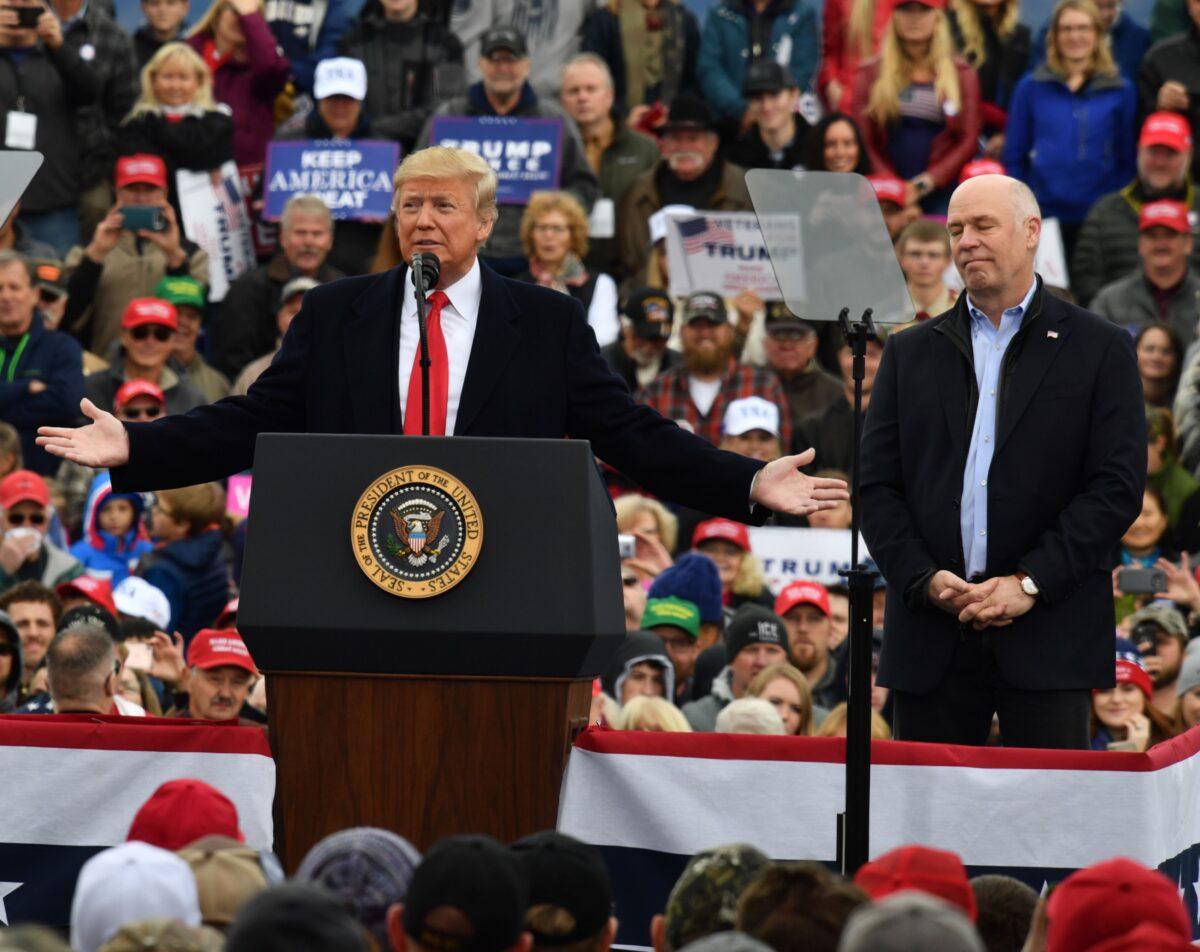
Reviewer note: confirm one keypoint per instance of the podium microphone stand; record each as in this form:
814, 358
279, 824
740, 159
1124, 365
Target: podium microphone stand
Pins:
426, 269
854, 822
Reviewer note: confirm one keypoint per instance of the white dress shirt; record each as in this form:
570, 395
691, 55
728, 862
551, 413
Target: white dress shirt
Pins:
459, 319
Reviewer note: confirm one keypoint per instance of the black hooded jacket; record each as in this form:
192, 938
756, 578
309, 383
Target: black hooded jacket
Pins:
637, 647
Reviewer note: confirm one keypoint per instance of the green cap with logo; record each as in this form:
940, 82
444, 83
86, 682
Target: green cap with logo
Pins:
672, 611
180, 289
705, 897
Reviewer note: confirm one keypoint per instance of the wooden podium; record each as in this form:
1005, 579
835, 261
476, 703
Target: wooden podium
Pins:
435, 715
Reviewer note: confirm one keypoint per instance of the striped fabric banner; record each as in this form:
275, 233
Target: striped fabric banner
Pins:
651, 800
71, 784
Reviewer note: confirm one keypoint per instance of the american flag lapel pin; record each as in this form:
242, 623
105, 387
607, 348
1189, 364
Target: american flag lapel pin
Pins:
1053, 335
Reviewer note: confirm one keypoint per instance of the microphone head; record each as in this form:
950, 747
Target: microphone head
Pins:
430, 267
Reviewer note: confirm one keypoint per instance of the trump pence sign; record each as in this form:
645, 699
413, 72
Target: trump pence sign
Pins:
525, 154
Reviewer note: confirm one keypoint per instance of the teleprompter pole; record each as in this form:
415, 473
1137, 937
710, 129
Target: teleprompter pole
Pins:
854, 823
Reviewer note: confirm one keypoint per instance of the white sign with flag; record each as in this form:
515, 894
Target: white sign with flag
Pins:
726, 253
215, 218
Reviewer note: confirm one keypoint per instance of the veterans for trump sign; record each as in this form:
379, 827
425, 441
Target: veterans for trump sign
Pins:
726, 252
353, 177
525, 154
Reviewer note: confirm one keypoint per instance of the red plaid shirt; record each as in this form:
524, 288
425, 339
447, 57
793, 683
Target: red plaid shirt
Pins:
668, 394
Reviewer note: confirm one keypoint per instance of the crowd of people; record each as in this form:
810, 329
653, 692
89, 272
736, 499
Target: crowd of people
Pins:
194, 885
126, 604
663, 106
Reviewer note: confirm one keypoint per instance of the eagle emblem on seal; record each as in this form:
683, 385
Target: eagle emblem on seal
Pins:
416, 535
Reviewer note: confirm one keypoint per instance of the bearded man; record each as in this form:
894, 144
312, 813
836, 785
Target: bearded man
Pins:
696, 394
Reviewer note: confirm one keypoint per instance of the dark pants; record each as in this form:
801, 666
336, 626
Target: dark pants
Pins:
960, 709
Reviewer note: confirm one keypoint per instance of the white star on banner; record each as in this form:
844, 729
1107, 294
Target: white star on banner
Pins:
6, 889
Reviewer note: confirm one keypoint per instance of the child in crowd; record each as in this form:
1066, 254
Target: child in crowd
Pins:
188, 563
114, 537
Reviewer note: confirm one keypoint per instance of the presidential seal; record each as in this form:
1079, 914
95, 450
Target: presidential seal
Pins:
416, 532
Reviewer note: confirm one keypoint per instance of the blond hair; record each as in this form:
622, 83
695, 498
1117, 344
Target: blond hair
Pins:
788, 673
631, 505
750, 580
206, 21
439, 162
652, 714
896, 69
966, 12
1102, 62
834, 724
860, 31
148, 102
543, 203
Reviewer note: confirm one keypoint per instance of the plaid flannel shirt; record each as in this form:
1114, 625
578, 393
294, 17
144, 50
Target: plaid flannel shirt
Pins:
668, 394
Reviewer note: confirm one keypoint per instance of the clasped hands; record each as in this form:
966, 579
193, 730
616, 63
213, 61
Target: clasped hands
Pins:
992, 603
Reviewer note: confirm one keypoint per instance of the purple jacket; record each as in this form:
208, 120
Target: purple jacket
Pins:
249, 88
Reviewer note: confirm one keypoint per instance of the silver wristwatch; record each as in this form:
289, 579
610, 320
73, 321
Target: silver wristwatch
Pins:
1029, 586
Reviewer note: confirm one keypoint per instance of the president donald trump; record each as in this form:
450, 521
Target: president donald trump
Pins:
507, 360
1003, 456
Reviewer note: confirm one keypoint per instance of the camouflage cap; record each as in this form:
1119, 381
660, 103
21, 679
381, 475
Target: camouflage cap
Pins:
705, 897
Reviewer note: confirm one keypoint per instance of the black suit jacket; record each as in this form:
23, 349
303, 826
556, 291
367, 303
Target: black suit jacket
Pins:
1066, 481
535, 371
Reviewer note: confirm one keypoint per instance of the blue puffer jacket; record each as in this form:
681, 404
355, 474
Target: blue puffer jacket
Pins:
109, 556
725, 48
1071, 147
192, 574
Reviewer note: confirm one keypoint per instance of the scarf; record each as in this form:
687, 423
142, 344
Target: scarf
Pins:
570, 274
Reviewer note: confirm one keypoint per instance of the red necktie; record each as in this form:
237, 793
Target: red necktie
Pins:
439, 375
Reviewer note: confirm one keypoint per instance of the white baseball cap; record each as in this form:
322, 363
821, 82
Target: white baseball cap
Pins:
340, 76
137, 597
751, 413
129, 883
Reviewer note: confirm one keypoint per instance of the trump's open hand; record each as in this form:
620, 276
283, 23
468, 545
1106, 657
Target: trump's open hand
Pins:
99, 444
782, 487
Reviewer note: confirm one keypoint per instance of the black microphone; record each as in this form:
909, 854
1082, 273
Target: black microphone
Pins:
426, 270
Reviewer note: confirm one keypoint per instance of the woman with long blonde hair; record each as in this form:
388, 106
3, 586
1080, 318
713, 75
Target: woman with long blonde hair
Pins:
917, 105
175, 116
1072, 123
247, 68
991, 37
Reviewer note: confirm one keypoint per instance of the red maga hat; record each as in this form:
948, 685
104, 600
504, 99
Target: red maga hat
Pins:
725, 529
181, 812
144, 169
802, 592
1166, 128
141, 311
937, 872
1109, 899
1166, 213
23, 486
97, 590
213, 648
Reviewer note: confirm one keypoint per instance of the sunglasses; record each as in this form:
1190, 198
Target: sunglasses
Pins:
141, 413
20, 518
161, 332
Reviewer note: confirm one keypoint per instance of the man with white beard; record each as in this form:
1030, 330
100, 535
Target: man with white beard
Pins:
690, 173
